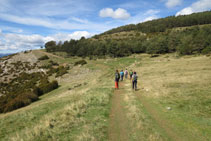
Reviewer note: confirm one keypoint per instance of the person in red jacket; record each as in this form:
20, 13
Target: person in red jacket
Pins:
117, 77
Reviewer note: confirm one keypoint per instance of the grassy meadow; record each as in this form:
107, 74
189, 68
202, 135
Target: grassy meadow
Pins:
173, 102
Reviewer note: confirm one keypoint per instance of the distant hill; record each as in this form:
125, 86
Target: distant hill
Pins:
162, 24
186, 35
25, 76
4, 54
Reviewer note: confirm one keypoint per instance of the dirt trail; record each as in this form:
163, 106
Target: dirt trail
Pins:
118, 128
49, 54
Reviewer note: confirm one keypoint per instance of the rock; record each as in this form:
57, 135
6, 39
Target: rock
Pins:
168, 108
51, 125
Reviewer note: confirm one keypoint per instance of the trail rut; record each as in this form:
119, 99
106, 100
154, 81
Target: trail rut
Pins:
118, 128
161, 122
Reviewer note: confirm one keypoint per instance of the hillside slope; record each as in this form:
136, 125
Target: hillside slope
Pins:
86, 106
163, 24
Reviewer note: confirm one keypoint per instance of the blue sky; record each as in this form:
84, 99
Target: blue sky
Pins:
29, 24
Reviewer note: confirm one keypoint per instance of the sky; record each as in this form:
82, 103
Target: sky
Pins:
29, 24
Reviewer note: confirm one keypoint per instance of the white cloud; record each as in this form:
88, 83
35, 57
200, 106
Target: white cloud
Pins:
45, 8
150, 18
148, 15
51, 14
115, 14
80, 20
151, 12
10, 29
12, 42
199, 6
64, 37
185, 11
56, 24
173, 3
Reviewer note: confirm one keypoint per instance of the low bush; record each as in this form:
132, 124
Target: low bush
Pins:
18, 92
206, 50
53, 63
81, 62
45, 87
12, 102
51, 71
61, 71
47, 66
1, 71
154, 55
45, 57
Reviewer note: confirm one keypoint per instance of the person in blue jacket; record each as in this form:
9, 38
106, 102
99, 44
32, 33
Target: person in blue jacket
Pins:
121, 75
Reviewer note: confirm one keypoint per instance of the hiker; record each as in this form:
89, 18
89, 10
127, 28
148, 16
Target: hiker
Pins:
117, 76
131, 74
134, 81
126, 74
121, 75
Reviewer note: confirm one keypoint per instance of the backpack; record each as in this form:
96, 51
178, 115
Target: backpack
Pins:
117, 76
135, 77
126, 72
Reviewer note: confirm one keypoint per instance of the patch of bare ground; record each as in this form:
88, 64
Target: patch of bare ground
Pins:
49, 54
118, 128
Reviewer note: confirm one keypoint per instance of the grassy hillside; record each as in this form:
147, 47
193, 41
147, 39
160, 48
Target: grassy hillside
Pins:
163, 24
193, 39
172, 103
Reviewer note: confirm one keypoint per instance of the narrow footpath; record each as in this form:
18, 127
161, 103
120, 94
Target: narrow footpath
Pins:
120, 126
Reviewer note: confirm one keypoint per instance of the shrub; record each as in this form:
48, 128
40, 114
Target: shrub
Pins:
47, 66
45, 87
81, 62
52, 71
19, 101
45, 57
1, 71
53, 63
90, 57
55, 84
206, 50
61, 71
138, 34
154, 55
38, 91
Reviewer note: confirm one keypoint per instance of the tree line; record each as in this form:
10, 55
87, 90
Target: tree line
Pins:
185, 41
162, 24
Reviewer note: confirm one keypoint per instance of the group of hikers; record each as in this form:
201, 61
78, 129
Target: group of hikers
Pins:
124, 74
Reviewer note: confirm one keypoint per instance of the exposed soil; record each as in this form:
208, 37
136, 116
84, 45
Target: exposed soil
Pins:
50, 54
118, 128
